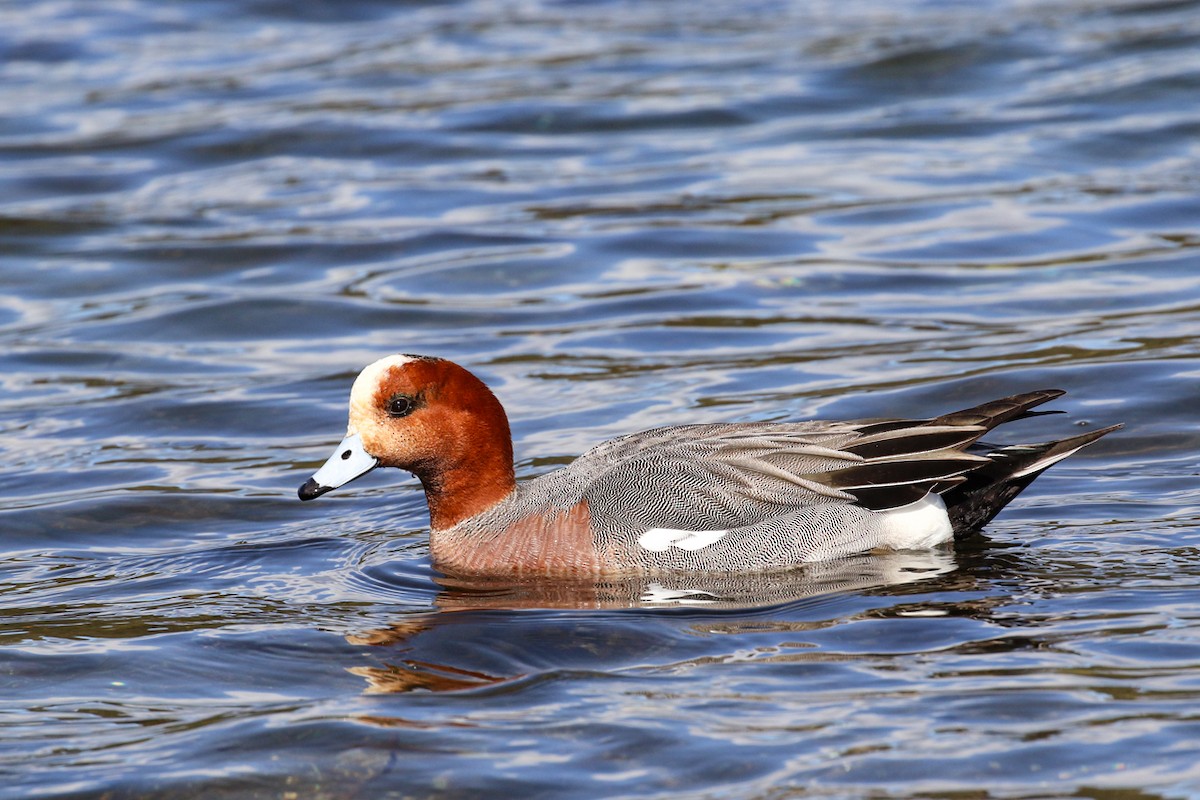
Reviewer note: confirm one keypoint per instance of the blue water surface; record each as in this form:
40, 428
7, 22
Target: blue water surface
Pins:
620, 215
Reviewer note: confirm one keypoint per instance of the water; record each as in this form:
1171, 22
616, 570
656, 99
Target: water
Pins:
621, 215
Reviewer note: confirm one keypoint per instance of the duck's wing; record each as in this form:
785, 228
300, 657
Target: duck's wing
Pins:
733, 476
724, 476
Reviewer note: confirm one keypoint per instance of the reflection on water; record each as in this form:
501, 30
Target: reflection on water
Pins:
722, 592
620, 216
725, 591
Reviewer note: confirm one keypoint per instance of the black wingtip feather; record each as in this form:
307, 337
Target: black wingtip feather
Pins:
997, 412
904, 460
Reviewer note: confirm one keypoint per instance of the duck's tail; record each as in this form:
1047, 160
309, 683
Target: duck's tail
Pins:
903, 460
984, 491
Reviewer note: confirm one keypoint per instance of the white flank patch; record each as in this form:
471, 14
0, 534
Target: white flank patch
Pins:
656, 540
917, 525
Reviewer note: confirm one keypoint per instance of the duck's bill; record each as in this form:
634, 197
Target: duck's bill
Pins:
349, 461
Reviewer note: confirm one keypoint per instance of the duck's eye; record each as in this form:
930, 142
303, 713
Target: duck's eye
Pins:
401, 405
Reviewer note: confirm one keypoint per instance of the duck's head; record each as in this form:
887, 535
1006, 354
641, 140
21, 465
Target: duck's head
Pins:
433, 418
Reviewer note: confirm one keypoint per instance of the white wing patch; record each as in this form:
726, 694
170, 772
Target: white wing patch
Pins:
656, 540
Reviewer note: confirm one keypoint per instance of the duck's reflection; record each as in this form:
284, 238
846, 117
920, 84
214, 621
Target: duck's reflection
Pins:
736, 590
462, 600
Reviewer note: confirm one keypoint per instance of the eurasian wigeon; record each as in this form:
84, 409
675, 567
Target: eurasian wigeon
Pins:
721, 497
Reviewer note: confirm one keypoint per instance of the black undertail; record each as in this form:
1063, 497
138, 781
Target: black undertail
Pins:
973, 502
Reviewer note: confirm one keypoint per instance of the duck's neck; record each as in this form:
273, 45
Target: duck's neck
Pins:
461, 491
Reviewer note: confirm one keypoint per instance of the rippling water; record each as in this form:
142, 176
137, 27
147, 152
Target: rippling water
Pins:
621, 215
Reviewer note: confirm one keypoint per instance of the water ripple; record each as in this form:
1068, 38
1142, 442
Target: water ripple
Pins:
622, 216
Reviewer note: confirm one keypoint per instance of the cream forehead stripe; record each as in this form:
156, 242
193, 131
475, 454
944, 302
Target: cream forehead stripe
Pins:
362, 394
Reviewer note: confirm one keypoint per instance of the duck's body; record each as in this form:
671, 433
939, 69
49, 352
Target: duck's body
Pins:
716, 498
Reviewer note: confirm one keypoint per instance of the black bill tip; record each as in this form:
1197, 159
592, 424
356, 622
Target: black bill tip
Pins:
311, 489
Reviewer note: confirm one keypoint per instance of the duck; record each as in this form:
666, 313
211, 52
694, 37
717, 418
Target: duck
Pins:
719, 497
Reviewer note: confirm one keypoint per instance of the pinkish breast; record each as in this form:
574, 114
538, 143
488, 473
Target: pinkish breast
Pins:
541, 544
